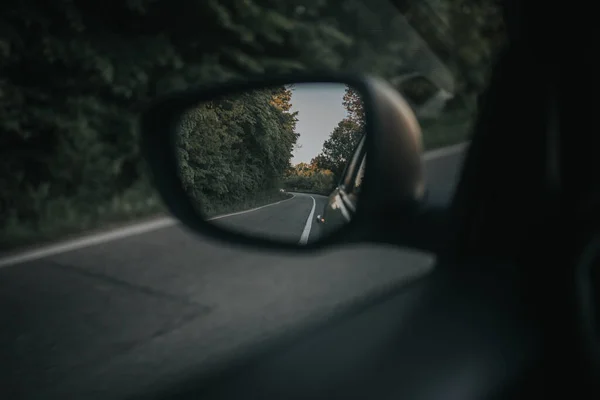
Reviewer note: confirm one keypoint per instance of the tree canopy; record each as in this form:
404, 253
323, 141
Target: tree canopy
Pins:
235, 147
339, 147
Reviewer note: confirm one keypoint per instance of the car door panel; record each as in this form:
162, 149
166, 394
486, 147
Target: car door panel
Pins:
408, 345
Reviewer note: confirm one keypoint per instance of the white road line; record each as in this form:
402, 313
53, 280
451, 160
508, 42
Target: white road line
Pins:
247, 211
88, 241
144, 227
96, 239
308, 226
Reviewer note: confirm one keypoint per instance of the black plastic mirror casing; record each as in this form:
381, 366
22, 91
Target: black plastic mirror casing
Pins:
393, 179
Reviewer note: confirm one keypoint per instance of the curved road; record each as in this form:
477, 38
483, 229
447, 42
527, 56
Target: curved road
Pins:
102, 315
290, 220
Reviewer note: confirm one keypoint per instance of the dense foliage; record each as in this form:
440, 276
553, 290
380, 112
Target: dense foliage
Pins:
236, 147
74, 73
338, 149
309, 178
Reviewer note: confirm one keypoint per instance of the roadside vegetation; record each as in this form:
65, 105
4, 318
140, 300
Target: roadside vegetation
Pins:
234, 151
73, 81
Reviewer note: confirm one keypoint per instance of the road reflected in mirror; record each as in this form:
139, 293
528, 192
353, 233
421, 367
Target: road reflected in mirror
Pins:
281, 163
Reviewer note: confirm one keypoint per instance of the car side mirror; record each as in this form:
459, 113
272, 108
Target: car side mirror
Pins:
252, 162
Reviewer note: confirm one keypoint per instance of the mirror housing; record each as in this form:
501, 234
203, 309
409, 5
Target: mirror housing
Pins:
393, 180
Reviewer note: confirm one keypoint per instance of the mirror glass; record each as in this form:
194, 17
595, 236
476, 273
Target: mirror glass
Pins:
283, 163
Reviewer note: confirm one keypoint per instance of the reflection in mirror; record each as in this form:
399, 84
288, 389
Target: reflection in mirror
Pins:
267, 162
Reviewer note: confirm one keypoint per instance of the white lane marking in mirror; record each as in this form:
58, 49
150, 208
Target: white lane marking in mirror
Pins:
308, 226
247, 211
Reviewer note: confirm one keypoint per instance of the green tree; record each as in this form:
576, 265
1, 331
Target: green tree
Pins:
339, 147
236, 147
354, 106
307, 177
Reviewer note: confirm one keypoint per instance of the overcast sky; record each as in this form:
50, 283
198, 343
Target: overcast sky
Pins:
320, 109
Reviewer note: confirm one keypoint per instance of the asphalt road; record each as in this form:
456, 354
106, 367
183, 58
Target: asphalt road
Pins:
97, 320
289, 220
